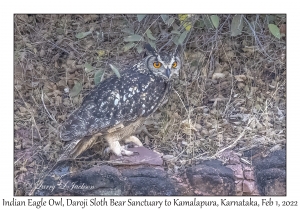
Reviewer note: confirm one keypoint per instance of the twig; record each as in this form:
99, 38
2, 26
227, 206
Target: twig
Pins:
234, 143
42, 97
256, 38
231, 91
181, 101
32, 116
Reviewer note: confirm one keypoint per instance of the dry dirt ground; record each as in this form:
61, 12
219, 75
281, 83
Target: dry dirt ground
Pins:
231, 92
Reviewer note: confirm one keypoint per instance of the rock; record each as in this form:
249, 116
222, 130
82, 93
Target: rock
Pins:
99, 180
237, 170
267, 176
252, 152
248, 187
239, 187
148, 181
270, 173
249, 175
145, 156
108, 180
211, 178
243, 174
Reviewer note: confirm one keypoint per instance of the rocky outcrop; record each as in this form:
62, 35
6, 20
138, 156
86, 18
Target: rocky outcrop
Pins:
270, 173
227, 176
147, 181
211, 178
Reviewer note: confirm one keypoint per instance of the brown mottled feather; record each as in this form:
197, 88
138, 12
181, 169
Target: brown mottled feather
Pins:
112, 103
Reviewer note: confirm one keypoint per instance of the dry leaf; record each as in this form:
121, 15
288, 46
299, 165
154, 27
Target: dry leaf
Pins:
240, 78
22, 109
168, 157
218, 76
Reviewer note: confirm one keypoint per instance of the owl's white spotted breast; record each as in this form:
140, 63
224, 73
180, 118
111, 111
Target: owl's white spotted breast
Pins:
138, 93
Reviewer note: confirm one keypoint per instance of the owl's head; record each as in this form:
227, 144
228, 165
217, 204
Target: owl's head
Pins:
162, 64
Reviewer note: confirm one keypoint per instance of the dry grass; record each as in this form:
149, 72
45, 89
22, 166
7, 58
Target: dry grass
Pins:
231, 92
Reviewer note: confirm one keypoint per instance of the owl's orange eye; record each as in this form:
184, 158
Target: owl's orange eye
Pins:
157, 64
174, 65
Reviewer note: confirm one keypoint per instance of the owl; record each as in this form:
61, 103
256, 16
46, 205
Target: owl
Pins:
116, 107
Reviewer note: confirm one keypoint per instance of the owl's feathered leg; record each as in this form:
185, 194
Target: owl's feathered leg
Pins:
122, 149
116, 148
117, 133
119, 150
134, 140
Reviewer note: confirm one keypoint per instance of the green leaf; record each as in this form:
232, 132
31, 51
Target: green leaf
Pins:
274, 30
207, 22
153, 45
60, 31
139, 48
140, 17
76, 89
237, 25
270, 18
175, 32
98, 76
175, 40
88, 67
115, 70
133, 38
82, 34
175, 26
128, 30
149, 34
215, 20
165, 18
200, 23
182, 37
128, 46
170, 21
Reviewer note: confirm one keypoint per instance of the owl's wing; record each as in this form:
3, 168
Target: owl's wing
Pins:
115, 101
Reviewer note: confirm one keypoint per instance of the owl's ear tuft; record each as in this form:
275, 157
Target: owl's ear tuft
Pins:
178, 50
150, 49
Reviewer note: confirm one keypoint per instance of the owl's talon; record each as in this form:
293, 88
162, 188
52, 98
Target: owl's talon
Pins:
107, 150
118, 150
126, 152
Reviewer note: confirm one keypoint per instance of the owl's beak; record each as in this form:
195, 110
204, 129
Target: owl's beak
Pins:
168, 72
